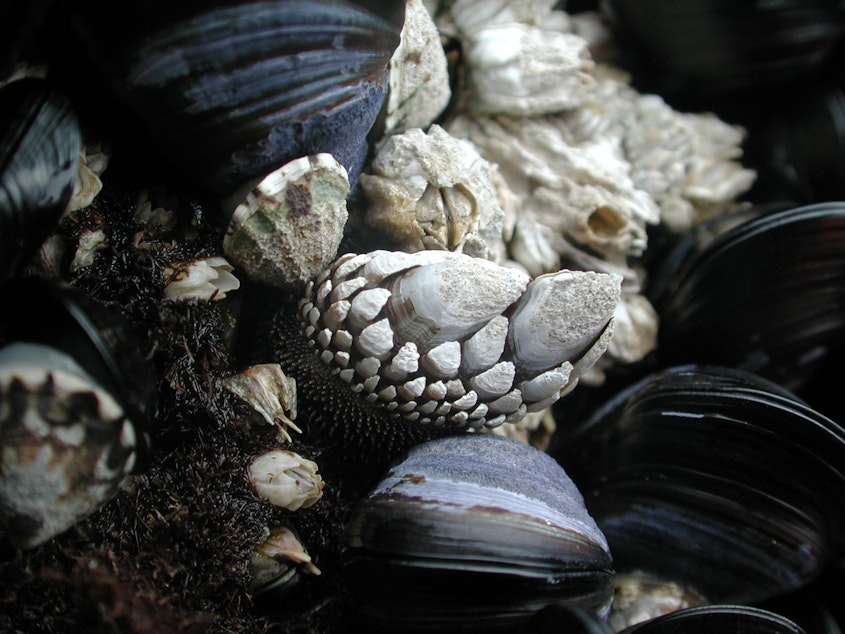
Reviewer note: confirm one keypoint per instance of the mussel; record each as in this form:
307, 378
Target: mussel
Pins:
718, 619
715, 479
39, 154
75, 408
713, 47
766, 296
232, 91
473, 533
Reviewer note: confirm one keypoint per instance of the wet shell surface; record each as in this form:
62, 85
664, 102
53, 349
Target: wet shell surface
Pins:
473, 533
716, 479
447, 339
39, 153
234, 92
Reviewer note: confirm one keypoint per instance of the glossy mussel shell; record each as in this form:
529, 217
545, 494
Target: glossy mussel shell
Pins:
718, 619
767, 296
701, 47
39, 154
473, 533
716, 479
236, 90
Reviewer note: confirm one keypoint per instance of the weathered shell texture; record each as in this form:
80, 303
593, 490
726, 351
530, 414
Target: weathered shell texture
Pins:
473, 532
39, 152
760, 296
738, 619
450, 340
97, 337
716, 479
66, 443
75, 403
234, 92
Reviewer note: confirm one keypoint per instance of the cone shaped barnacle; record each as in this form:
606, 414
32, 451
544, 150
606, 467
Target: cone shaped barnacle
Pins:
76, 397
446, 339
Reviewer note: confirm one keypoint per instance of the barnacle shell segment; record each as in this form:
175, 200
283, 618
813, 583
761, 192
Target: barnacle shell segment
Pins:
434, 191
289, 226
491, 516
286, 479
65, 443
447, 339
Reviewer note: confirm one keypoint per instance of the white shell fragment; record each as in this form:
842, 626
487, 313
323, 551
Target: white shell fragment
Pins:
459, 340
286, 479
205, 279
433, 191
520, 61
269, 392
93, 161
419, 75
288, 228
65, 442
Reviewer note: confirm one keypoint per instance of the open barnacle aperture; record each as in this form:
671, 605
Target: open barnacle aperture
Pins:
453, 341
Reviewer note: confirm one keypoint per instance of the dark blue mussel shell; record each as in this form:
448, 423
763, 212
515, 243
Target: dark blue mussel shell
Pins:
716, 479
233, 91
473, 533
39, 155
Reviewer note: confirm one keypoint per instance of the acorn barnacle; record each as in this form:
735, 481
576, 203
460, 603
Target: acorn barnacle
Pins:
450, 340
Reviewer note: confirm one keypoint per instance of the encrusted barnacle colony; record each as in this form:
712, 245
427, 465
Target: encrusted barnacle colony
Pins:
447, 339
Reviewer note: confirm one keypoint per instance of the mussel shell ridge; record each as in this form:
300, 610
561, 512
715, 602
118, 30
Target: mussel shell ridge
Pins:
716, 479
39, 153
473, 532
234, 92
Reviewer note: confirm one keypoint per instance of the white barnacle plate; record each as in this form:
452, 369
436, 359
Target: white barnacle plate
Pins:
66, 443
447, 339
289, 226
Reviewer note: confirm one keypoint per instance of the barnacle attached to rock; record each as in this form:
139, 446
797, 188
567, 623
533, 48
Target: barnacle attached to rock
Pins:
270, 392
290, 225
433, 191
276, 561
522, 59
204, 279
450, 340
419, 77
286, 479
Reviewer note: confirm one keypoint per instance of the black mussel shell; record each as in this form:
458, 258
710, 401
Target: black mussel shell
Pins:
767, 296
718, 619
704, 47
556, 618
716, 479
39, 154
233, 92
96, 336
473, 533
798, 149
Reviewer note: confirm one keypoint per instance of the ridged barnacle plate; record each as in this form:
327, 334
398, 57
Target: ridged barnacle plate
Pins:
447, 339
